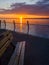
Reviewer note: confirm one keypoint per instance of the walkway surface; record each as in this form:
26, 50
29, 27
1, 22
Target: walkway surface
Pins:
36, 49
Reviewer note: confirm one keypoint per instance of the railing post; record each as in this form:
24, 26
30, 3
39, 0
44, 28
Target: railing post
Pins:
4, 23
27, 27
0, 24
14, 25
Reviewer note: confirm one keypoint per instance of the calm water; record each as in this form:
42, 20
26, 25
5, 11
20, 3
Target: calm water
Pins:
37, 27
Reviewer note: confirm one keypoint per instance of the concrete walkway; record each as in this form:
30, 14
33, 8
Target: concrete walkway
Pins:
36, 49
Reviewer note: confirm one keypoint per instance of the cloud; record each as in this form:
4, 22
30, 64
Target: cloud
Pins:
43, 2
35, 9
2, 10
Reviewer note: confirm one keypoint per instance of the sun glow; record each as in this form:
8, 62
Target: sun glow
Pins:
21, 18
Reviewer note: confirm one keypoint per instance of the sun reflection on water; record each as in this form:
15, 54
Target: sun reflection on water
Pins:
20, 24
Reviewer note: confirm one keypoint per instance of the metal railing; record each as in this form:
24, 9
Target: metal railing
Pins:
41, 30
18, 27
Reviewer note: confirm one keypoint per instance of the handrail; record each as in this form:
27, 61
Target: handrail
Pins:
27, 28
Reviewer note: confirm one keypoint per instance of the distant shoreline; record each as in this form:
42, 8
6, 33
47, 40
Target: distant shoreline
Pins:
24, 18
36, 18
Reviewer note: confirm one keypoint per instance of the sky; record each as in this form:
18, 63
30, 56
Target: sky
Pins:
6, 3
32, 7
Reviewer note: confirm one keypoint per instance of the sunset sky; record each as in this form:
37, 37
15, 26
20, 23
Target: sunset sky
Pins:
33, 8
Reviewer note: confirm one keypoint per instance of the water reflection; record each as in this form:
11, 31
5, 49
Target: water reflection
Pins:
37, 29
40, 30
20, 24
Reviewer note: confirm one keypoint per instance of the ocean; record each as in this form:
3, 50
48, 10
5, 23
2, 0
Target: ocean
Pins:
37, 27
